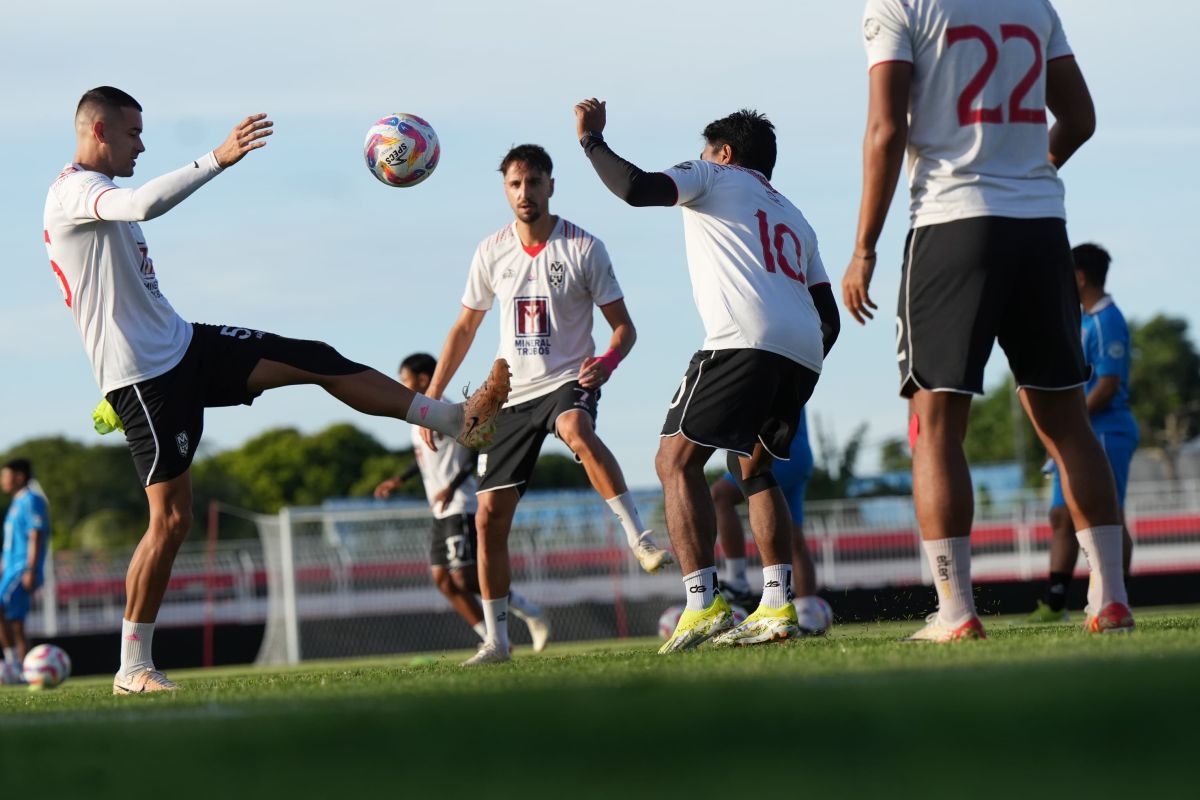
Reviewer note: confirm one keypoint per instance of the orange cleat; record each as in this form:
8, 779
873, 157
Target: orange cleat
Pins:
935, 631
1113, 618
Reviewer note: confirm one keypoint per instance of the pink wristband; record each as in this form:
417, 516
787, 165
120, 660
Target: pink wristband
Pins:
610, 360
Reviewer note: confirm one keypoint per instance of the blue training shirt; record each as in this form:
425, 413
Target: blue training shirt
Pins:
1106, 348
28, 512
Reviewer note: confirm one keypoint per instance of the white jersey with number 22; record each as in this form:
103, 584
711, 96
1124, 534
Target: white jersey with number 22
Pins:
978, 140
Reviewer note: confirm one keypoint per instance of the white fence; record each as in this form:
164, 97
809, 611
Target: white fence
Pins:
341, 581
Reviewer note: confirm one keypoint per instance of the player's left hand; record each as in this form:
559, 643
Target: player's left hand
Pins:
593, 373
249, 134
442, 498
856, 284
27, 580
589, 116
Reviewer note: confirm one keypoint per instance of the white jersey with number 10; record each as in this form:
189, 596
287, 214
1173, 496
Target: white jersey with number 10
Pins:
752, 257
978, 140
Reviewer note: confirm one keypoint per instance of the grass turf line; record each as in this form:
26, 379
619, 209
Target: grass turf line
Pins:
857, 713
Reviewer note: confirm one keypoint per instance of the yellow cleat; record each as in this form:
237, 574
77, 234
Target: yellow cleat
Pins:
697, 627
763, 626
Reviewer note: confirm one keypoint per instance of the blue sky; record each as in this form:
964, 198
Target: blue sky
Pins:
300, 240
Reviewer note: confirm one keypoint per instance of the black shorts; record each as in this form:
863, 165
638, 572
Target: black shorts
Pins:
453, 544
520, 431
735, 399
970, 282
164, 416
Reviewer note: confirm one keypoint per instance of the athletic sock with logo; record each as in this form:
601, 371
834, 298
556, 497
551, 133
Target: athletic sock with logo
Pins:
495, 615
701, 588
522, 607
950, 563
735, 572
627, 514
1056, 590
777, 585
1103, 547
136, 641
438, 415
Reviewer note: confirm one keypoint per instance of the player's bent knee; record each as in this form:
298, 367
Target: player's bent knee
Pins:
312, 356
762, 482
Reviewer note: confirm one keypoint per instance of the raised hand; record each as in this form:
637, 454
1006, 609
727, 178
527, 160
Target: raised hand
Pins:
249, 134
590, 115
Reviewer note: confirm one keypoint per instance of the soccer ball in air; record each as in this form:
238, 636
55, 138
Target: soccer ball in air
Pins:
401, 150
46, 666
670, 618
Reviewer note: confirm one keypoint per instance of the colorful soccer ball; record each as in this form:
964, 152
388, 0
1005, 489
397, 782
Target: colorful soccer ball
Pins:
401, 150
46, 666
670, 618
818, 617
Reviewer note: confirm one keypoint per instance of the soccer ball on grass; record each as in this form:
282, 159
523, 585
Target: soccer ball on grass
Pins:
46, 666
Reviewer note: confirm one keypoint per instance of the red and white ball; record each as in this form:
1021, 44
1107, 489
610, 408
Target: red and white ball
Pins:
46, 666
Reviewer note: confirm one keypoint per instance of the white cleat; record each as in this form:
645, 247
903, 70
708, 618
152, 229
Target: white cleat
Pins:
539, 631
489, 653
651, 556
937, 631
149, 681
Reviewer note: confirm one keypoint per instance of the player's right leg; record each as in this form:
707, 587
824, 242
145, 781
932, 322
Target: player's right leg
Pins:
10, 670
494, 522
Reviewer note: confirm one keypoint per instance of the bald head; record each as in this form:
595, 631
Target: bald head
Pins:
108, 130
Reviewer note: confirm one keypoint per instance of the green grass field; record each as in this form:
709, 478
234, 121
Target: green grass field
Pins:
1040, 711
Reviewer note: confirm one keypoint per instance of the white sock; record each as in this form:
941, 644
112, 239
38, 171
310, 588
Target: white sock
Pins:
10, 655
950, 563
1104, 547
627, 514
522, 607
777, 585
495, 615
480, 629
136, 641
735, 571
701, 588
439, 415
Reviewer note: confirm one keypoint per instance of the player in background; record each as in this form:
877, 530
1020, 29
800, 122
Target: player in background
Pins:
26, 540
1107, 350
966, 86
447, 474
159, 372
548, 274
727, 495
769, 319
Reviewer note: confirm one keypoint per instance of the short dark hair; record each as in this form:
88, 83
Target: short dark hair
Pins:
1092, 260
22, 466
107, 97
750, 135
419, 364
531, 155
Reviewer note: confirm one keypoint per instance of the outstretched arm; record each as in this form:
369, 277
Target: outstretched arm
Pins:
158, 196
628, 182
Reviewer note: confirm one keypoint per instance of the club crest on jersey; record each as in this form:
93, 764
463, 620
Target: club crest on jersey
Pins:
533, 326
557, 274
182, 443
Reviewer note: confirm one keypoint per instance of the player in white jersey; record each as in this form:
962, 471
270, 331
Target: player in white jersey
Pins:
160, 372
447, 475
548, 274
966, 86
769, 319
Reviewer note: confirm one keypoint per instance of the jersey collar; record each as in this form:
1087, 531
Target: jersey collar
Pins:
1101, 304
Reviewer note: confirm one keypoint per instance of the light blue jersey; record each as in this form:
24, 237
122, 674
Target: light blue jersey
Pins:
794, 473
1106, 348
28, 512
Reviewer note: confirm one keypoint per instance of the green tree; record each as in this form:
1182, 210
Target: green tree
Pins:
558, 471
894, 455
835, 466
999, 430
1165, 381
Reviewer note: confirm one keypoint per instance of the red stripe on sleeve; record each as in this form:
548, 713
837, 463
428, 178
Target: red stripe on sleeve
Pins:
96, 203
889, 61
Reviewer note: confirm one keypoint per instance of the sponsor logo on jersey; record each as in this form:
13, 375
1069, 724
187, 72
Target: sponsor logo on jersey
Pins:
558, 274
533, 326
